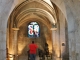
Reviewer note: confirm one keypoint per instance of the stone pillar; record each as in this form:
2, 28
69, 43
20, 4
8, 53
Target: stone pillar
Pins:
15, 43
56, 43
54, 40
72, 45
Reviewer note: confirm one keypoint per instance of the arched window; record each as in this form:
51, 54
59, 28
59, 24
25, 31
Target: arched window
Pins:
33, 30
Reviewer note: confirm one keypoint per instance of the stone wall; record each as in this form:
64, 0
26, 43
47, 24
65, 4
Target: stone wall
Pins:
73, 17
5, 7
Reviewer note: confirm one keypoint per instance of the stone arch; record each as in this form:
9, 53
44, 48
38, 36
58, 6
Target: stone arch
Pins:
15, 22
62, 18
61, 5
50, 15
13, 28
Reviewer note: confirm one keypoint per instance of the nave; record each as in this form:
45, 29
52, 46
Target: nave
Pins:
37, 58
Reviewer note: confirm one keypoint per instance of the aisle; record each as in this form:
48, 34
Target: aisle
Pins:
37, 58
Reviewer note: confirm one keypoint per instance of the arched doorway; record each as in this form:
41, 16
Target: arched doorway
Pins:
45, 17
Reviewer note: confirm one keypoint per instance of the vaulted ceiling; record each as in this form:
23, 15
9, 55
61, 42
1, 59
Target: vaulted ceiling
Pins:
33, 9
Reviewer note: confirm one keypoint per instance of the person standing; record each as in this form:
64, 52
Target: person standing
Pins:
32, 50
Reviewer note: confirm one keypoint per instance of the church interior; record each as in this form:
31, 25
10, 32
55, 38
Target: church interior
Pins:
51, 24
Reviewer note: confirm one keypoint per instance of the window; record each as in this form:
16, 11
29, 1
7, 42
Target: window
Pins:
33, 30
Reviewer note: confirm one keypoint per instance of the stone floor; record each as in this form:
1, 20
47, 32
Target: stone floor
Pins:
37, 58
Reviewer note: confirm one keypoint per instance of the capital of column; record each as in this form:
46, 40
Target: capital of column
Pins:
15, 29
53, 29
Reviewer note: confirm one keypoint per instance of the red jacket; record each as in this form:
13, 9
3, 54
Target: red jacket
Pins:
32, 48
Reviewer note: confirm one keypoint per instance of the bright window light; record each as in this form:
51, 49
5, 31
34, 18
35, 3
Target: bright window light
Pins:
49, 2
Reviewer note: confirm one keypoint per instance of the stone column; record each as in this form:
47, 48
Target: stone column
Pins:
53, 39
15, 43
